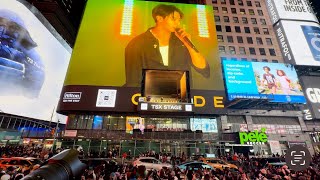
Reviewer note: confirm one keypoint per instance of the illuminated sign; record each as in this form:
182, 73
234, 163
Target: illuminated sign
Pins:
290, 10
253, 137
165, 107
312, 91
204, 124
257, 80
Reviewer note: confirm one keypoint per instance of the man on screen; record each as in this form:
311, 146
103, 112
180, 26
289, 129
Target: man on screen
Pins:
163, 46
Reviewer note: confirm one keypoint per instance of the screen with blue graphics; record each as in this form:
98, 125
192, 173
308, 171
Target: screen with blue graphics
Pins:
259, 80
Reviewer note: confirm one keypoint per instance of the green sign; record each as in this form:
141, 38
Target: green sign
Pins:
254, 136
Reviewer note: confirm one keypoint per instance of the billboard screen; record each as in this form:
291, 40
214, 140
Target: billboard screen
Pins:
259, 80
290, 10
33, 62
294, 36
206, 125
118, 39
311, 88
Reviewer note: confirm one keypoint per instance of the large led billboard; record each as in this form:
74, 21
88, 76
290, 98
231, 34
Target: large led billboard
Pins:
290, 10
258, 80
119, 39
299, 42
311, 87
33, 62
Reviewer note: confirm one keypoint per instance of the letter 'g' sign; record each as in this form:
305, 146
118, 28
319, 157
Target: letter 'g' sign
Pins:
254, 136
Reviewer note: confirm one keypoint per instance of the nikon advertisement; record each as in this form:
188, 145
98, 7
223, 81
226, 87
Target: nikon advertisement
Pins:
312, 93
119, 39
33, 62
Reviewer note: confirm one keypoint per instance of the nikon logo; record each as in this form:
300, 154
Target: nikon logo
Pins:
72, 95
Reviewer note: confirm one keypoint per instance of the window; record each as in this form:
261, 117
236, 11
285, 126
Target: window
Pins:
256, 30
239, 39
244, 59
217, 18
249, 40
259, 41
224, 10
230, 39
215, 9
214, 1
262, 51
242, 50
260, 12
272, 52
242, 11
253, 20
226, 19
234, 59
218, 27
244, 20
234, 10
231, 2
220, 38
263, 22
249, 3
240, 2
237, 28
264, 60
251, 11
252, 51
254, 60
247, 30
232, 50
235, 19
257, 3
223, 1
222, 49
275, 61
228, 29
269, 41
265, 30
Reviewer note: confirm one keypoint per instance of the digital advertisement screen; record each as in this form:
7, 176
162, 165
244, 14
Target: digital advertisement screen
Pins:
258, 80
312, 92
295, 36
118, 39
290, 10
204, 124
33, 62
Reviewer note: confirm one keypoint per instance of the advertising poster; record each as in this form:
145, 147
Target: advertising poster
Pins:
134, 123
311, 87
257, 80
290, 10
312, 34
33, 62
204, 124
118, 39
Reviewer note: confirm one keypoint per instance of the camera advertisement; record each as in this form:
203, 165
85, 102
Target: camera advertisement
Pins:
33, 62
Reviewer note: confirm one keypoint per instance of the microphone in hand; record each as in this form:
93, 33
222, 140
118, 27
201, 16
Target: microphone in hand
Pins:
186, 39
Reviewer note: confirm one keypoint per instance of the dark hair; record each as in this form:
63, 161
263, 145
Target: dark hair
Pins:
164, 10
266, 67
283, 73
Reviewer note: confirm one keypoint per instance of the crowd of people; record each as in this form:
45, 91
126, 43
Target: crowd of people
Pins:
248, 168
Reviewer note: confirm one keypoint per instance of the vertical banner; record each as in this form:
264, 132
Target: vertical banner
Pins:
311, 87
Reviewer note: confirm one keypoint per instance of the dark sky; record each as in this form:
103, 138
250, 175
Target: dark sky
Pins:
316, 7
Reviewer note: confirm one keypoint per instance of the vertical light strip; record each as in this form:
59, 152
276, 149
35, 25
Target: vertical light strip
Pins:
202, 21
126, 23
